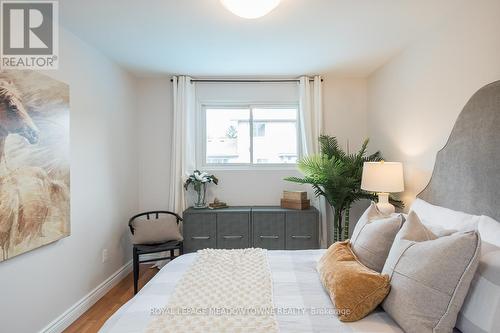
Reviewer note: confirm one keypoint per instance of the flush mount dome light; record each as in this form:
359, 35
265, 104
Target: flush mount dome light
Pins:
250, 9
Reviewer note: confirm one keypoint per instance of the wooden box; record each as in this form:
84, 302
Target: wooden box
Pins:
295, 195
295, 204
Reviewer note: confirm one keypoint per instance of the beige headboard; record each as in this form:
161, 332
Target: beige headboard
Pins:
466, 175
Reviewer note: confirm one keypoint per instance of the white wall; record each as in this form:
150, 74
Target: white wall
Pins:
345, 117
154, 135
415, 99
40, 285
345, 110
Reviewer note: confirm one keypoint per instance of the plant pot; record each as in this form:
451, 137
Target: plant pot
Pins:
201, 192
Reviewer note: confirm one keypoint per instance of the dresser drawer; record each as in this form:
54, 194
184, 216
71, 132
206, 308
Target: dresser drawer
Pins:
233, 230
199, 231
268, 230
301, 230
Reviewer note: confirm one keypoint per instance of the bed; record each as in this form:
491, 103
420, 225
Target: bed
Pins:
465, 178
296, 286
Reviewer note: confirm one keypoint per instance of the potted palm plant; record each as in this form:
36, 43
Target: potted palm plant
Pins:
199, 180
336, 175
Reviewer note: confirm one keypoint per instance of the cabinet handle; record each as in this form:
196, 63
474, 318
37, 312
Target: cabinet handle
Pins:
269, 237
301, 237
201, 237
232, 237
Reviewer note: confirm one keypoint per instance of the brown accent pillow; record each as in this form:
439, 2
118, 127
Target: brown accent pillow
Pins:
156, 231
354, 289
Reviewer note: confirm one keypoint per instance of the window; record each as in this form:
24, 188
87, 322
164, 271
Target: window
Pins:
250, 135
259, 129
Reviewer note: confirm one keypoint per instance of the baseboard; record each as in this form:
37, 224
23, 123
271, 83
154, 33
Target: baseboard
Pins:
75, 311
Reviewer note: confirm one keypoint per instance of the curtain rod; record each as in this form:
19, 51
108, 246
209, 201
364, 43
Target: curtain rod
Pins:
245, 81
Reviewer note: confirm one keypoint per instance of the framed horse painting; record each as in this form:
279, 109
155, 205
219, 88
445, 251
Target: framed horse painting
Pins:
34, 161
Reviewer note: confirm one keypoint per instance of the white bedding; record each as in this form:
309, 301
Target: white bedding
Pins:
301, 303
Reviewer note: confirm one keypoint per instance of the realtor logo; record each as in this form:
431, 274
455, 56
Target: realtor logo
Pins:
30, 32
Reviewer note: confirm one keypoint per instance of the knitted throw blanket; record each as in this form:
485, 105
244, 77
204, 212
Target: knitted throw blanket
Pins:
223, 291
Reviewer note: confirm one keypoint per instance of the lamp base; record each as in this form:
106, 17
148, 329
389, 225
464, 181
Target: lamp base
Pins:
383, 204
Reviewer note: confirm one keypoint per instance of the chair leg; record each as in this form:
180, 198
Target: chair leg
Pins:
172, 254
136, 269
181, 249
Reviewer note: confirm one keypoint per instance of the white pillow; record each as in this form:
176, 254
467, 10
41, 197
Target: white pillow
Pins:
444, 218
481, 309
489, 229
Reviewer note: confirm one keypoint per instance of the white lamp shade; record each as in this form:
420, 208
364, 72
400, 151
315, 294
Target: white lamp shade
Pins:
250, 9
386, 177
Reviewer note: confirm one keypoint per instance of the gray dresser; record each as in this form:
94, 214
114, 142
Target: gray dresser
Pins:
266, 227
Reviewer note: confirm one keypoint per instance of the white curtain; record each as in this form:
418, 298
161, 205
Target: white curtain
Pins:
183, 156
182, 159
311, 126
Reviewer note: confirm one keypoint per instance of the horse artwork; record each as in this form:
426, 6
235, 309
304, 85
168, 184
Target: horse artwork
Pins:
34, 161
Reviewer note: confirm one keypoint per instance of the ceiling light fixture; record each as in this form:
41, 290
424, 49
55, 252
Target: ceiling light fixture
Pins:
250, 9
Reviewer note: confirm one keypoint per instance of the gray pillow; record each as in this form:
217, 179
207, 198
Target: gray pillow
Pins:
155, 231
373, 236
430, 276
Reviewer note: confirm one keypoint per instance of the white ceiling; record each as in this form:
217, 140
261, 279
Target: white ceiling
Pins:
201, 38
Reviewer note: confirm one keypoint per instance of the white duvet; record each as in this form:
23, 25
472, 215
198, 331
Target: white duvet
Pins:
301, 304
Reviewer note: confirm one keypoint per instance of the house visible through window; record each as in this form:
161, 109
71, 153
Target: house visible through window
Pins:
251, 135
259, 129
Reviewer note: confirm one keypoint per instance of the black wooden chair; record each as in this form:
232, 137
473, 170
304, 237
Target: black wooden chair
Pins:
140, 249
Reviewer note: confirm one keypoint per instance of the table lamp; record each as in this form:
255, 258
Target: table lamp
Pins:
383, 178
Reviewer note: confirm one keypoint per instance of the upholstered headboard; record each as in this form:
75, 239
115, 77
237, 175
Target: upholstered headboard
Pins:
466, 175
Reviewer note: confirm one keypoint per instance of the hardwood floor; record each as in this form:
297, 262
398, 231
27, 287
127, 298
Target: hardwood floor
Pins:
92, 320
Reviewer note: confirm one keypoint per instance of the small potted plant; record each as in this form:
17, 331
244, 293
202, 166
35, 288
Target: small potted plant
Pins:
199, 180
